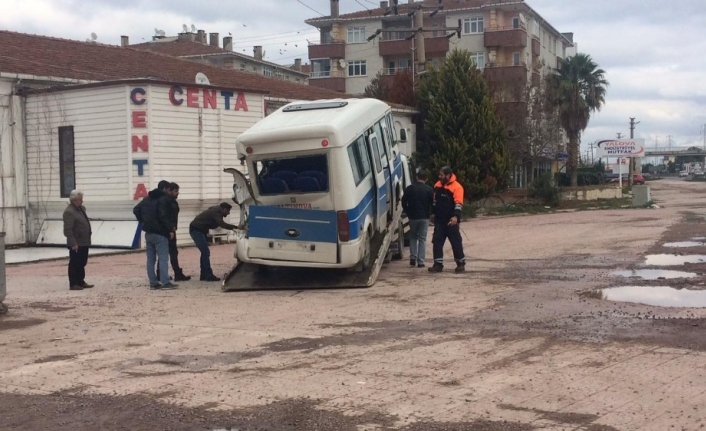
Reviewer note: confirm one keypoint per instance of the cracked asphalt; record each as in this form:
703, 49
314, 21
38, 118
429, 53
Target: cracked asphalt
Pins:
520, 342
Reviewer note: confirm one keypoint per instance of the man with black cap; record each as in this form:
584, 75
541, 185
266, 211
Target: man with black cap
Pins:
198, 229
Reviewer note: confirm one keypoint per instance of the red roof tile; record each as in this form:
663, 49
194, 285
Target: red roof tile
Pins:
178, 48
61, 58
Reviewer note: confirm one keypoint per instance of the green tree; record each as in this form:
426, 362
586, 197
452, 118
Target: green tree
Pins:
377, 88
577, 89
460, 127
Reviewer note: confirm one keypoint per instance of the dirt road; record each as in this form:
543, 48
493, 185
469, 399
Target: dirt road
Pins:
521, 342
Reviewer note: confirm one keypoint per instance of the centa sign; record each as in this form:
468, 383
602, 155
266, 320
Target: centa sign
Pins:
622, 148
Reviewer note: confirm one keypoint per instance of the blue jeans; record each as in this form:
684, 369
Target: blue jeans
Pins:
157, 246
418, 239
202, 244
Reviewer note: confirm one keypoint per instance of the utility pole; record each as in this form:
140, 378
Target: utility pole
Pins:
620, 135
591, 145
632, 159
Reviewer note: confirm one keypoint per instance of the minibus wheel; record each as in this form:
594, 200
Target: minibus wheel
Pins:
365, 261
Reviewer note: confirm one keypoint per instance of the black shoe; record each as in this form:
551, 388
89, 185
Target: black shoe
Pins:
169, 286
210, 278
155, 286
461, 267
436, 268
181, 277
420, 265
76, 287
412, 262
86, 285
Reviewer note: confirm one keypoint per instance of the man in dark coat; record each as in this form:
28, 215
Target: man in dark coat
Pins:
77, 230
417, 202
154, 212
171, 195
198, 229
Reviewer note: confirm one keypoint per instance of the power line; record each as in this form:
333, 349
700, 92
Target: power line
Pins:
300, 1
366, 8
276, 34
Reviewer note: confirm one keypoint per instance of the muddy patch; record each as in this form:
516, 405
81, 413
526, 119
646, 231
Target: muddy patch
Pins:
55, 358
7, 324
145, 413
48, 307
564, 418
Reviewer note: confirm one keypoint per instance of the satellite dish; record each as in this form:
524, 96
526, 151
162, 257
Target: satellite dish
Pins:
185, 28
94, 36
193, 28
202, 79
342, 63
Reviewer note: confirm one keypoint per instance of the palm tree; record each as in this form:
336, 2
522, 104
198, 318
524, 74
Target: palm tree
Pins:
577, 89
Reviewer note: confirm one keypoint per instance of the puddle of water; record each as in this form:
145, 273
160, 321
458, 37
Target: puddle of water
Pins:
683, 244
673, 259
660, 296
654, 274
699, 238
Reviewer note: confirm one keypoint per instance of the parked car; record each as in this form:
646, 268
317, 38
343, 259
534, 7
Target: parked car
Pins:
683, 173
636, 179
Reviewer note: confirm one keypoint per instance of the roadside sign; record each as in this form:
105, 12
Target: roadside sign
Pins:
621, 148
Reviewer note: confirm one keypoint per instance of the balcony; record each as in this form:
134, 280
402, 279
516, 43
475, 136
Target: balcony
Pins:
432, 45
506, 75
329, 50
535, 46
329, 82
505, 37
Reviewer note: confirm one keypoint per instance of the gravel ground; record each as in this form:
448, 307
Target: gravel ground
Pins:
520, 342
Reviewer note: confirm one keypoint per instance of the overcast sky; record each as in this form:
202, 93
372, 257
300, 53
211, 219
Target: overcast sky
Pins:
653, 51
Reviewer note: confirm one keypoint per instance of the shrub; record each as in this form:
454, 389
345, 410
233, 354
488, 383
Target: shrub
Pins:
543, 188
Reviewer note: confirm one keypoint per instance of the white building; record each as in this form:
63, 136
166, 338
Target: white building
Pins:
83, 115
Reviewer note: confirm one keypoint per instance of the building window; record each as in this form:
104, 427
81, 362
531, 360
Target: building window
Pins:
356, 34
268, 71
535, 26
479, 59
357, 68
67, 163
435, 33
320, 68
516, 57
242, 66
473, 25
516, 22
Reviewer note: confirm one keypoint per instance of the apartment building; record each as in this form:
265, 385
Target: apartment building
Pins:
196, 46
507, 38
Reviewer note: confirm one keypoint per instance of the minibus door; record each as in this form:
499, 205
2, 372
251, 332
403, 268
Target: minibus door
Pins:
380, 192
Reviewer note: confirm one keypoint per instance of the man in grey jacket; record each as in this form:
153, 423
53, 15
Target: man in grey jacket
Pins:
77, 230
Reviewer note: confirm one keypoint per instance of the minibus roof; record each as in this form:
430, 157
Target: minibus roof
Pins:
340, 120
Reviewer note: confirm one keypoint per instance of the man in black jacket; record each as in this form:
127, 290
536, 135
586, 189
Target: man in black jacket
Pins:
198, 229
154, 213
417, 202
171, 196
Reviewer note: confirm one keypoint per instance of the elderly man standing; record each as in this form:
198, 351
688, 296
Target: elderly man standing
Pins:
77, 230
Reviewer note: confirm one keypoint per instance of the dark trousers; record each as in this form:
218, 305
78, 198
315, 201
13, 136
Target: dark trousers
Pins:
173, 257
77, 266
202, 244
453, 233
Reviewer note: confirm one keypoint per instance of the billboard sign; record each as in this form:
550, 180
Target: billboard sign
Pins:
621, 148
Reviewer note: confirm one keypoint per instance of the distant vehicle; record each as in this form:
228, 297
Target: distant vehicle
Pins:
636, 179
683, 173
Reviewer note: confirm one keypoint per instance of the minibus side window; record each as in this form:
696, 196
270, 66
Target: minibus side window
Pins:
376, 154
391, 129
360, 162
381, 144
